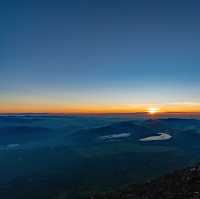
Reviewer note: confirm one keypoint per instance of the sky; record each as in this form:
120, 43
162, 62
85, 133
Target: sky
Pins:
99, 55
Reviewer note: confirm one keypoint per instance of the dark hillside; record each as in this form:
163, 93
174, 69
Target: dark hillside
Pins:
183, 184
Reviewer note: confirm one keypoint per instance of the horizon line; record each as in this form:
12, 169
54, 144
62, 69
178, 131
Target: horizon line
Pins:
97, 113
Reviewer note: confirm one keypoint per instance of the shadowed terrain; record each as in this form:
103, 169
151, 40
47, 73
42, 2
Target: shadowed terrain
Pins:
183, 184
50, 157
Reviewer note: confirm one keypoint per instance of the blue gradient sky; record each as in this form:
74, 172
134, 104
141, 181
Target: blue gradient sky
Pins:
73, 54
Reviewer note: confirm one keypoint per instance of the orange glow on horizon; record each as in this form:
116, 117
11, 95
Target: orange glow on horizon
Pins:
97, 108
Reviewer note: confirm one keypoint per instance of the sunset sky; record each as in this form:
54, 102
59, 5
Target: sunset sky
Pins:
83, 56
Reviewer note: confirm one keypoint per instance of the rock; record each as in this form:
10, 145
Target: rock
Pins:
183, 184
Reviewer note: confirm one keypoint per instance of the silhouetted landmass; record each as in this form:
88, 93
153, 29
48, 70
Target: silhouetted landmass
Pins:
52, 157
183, 184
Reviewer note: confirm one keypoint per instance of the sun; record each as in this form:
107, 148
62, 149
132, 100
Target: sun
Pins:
152, 110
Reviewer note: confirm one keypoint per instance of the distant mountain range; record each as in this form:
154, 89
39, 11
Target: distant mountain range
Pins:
182, 131
50, 157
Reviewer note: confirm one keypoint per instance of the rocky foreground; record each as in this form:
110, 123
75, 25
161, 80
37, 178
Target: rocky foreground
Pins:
183, 184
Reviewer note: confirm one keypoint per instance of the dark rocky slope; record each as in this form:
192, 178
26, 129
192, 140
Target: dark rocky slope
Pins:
183, 184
